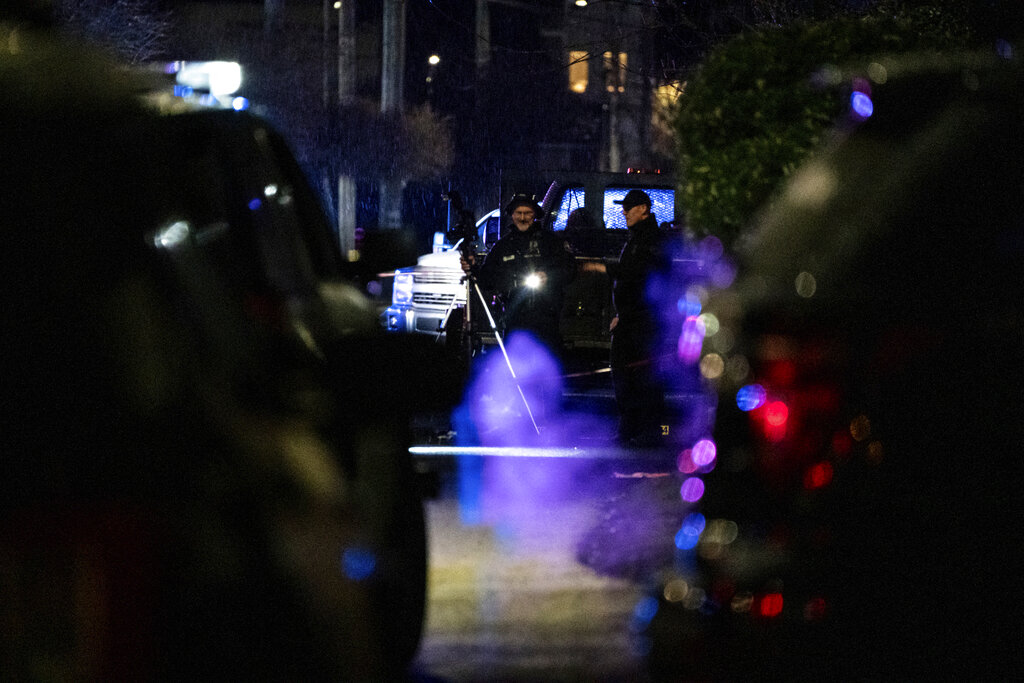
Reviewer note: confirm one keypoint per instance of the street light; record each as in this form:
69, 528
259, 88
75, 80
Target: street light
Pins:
433, 60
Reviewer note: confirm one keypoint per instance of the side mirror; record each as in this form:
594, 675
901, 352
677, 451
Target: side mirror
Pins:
439, 244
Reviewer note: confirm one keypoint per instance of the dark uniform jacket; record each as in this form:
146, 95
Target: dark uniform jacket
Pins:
643, 265
518, 254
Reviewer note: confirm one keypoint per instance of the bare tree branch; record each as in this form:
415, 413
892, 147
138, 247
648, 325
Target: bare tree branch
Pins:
135, 30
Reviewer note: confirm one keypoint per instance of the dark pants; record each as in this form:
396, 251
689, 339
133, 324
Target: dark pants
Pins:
636, 359
539, 318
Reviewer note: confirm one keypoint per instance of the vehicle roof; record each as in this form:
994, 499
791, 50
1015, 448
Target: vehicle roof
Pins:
929, 177
595, 183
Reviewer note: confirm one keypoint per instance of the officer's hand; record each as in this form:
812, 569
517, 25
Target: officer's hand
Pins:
614, 323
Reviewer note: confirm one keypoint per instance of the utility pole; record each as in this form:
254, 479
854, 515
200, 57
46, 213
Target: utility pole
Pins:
346, 96
391, 97
345, 66
483, 38
273, 15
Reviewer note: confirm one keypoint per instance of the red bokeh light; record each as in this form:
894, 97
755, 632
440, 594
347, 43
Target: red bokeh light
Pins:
770, 605
816, 609
818, 475
776, 413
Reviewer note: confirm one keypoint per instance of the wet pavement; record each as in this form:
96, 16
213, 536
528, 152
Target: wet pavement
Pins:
538, 578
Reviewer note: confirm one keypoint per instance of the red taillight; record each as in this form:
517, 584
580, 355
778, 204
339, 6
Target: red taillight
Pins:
818, 476
770, 605
776, 413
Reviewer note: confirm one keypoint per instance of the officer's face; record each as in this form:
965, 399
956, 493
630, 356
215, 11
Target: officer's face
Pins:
635, 214
523, 217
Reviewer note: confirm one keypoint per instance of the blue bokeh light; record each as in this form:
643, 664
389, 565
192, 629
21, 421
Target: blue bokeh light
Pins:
861, 104
689, 305
689, 533
751, 397
644, 612
358, 564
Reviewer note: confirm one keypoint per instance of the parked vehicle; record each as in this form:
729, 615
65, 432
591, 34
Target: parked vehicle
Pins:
856, 525
425, 295
195, 481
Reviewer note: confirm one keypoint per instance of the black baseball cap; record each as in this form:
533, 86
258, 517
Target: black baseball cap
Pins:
634, 198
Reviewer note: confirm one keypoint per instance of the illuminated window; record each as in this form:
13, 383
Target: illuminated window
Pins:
578, 67
615, 71
572, 199
665, 96
663, 205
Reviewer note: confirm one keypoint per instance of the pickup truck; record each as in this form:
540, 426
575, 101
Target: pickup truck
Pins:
425, 295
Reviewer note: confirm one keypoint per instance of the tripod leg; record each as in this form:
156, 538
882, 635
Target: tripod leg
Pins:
442, 327
501, 345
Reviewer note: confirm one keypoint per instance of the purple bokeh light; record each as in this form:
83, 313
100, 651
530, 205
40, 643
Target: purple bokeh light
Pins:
692, 489
691, 339
499, 412
704, 453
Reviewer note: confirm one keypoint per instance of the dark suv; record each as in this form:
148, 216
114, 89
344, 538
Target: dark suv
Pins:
195, 481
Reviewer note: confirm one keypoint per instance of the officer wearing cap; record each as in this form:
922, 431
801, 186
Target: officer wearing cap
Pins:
638, 342
528, 268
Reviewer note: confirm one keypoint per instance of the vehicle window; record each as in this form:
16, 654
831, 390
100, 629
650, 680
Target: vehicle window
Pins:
246, 208
571, 199
276, 221
201, 188
493, 230
663, 205
317, 235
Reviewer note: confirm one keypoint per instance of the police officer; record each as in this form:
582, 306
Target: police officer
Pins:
640, 345
528, 268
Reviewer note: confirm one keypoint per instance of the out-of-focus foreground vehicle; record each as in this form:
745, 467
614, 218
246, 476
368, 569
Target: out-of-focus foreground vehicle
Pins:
859, 525
196, 481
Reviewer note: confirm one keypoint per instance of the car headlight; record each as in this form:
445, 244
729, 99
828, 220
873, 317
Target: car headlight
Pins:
402, 291
532, 281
